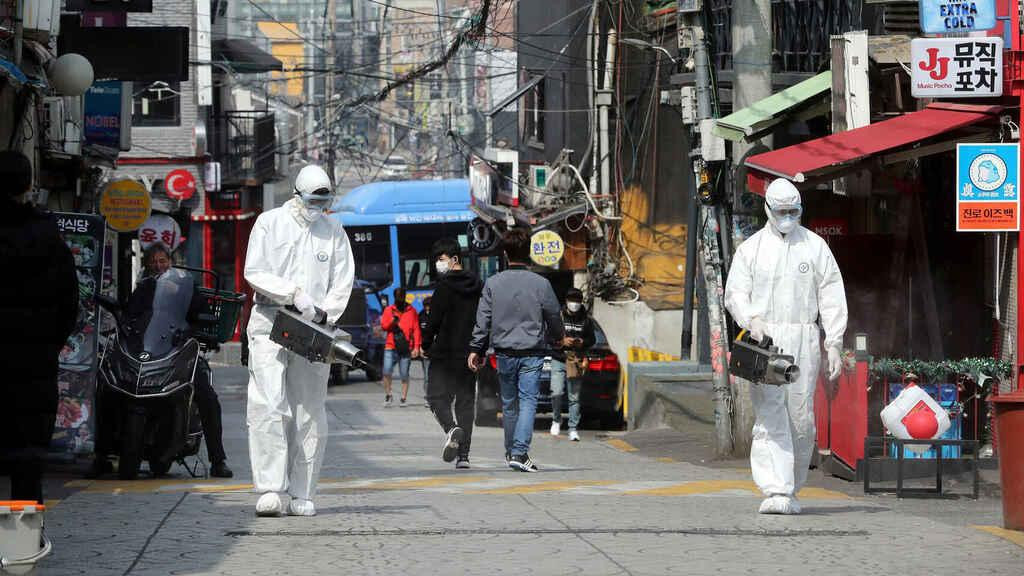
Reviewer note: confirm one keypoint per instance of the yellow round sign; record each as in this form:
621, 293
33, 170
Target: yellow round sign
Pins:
546, 248
125, 204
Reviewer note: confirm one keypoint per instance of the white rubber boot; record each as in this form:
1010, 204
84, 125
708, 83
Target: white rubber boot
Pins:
299, 507
270, 505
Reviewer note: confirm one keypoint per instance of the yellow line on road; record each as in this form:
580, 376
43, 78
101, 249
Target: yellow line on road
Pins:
666, 460
542, 487
621, 445
713, 486
411, 484
1012, 536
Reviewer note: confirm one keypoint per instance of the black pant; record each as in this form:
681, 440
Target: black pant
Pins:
452, 380
209, 413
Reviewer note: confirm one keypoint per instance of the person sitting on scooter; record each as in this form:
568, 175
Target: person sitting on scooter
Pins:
156, 260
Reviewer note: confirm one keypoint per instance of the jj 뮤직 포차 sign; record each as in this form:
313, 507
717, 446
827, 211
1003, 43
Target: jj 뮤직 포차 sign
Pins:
970, 67
987, 187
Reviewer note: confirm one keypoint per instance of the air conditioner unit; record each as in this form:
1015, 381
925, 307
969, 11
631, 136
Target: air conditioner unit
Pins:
539, 176
54, 114
537, 179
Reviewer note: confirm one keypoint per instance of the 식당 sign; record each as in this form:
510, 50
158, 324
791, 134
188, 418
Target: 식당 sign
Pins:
951, 16
546, 248
988, 187
968, 67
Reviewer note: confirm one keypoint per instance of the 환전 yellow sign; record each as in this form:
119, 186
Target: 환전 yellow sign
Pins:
547, 248
125, 204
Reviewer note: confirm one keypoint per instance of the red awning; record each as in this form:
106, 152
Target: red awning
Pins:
830, 154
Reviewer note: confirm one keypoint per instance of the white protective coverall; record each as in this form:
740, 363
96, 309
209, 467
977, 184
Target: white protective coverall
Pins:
788, 281
286, 414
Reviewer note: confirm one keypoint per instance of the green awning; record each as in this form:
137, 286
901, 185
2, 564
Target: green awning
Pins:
754, 120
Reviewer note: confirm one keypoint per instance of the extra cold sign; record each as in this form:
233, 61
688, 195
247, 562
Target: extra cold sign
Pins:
988, 187
951, 16
956, 67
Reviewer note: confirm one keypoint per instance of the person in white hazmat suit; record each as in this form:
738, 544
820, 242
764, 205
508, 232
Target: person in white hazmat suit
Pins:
783, 279
297, 256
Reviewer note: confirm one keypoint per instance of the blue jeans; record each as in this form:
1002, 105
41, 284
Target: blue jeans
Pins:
558, 381
392, 357
519, 378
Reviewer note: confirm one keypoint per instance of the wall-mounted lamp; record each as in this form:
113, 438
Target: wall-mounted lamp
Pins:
860, 346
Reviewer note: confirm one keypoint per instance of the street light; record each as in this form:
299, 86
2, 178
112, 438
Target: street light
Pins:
638, 43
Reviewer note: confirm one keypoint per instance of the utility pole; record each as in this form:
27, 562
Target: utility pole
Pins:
330, 16
752, 67
709, 256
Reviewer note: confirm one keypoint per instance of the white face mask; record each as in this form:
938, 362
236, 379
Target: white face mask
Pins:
787, 224
573, 307
443, 266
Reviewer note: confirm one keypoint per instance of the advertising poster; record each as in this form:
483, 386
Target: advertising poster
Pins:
76, 377
987, 185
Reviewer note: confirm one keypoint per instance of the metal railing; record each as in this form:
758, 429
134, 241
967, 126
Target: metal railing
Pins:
244, 144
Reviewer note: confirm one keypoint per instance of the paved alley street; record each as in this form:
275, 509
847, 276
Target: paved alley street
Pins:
389, 505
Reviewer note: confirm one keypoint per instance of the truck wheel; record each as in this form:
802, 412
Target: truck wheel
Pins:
132, 438
373, 373
159, 468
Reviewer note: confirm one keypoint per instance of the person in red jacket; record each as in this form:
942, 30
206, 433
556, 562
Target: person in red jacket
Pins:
404, 342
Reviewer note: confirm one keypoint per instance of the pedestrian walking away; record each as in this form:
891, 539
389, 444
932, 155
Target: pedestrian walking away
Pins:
517, 314
449, 327
38, 312
570, 364
425, 345
404, 343
783, 280
295, 257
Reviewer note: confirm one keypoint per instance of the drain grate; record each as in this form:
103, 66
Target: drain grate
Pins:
545, 531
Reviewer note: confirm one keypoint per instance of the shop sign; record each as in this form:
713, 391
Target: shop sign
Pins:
180, 184
828, 227
546, 248
125, 204
102, 114
74, 429
956, 67
952, 16
988, 187
160, 228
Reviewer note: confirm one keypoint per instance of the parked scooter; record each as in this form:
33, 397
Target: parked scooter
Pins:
148, 369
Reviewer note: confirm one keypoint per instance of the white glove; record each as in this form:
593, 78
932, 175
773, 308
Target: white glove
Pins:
835, 364
304, 304
757, 328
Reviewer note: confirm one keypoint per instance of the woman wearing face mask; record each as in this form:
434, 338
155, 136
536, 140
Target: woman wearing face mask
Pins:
568, 365
404, 343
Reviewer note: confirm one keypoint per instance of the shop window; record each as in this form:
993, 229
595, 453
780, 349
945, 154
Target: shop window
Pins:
156, 103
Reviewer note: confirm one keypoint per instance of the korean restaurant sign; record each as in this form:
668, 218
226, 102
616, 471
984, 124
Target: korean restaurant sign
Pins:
968, 67
988, 187
952, 16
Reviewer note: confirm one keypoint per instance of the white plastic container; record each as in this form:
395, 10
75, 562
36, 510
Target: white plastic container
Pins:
911, 399
22, 543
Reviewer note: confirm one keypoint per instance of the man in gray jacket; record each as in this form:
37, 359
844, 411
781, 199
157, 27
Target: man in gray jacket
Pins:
519, 315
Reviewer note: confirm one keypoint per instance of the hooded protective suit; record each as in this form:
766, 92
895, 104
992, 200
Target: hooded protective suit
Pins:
291, 255
782, 283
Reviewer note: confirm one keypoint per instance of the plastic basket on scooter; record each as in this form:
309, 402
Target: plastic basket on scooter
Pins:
224, 305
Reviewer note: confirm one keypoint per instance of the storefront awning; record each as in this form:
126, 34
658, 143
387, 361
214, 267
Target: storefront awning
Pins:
832, 155
754, 120
17, 77
243, 56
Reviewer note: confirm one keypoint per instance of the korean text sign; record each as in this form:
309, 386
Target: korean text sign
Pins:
951, 16
956, 67
546, 248
988, 187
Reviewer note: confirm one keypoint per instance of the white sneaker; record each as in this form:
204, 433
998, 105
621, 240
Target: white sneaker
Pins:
299, 507
779, 504
556, 427
271, 505
574, 436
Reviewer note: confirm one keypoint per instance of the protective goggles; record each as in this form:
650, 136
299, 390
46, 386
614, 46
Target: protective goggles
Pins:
793, 211
321, 198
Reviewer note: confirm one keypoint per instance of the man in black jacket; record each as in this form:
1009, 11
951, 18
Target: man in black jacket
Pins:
38, 310
568, 364
450, 327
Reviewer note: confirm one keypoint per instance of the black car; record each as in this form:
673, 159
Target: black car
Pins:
600, 392
362, 322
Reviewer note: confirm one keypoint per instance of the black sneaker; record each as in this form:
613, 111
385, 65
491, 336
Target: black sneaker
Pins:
452, 443
462, 463
523, 463
401, 403
508, 458
387, 401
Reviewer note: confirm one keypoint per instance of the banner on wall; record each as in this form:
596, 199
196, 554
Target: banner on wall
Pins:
76, 376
